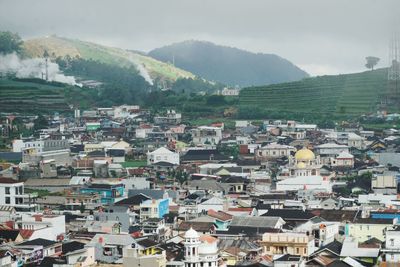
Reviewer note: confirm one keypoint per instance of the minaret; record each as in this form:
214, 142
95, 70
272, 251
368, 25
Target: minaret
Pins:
192, 244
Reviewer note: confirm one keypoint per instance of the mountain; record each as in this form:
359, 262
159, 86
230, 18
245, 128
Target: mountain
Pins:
346, 94
150, 68
228, 65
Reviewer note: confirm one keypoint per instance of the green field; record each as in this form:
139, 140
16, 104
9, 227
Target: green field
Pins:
31, 96
348, 94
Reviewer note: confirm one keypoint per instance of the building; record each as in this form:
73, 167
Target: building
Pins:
273, 151
12, 193
292, 243
392, 245
154, 208
109, 191
207, 135
170, 118
303, 173
162, 155
200, 251
384, 184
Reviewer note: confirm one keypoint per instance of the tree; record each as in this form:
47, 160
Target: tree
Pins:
10, 42
40, 123
371, 62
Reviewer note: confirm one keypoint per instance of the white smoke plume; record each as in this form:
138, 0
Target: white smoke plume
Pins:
33, 68
142, 71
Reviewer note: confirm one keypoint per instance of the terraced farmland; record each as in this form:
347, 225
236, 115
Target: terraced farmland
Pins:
31, 97
349, 94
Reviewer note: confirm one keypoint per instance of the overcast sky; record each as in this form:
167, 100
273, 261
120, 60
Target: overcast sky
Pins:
320, 36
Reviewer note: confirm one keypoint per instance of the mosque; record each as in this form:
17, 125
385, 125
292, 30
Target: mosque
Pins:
200, 251
303, 172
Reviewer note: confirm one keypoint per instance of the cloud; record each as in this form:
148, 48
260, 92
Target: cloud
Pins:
307, 32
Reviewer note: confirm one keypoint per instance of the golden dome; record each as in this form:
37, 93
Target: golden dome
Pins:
301, 165
304, 154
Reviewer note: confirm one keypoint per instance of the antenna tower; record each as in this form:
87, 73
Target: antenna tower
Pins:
394, 70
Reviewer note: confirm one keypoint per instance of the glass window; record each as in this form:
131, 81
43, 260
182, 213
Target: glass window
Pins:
8, 200
7, 190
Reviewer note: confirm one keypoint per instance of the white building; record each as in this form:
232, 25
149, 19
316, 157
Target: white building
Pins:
12, 194
125, 110
391, 250
344, 159
162, 155
207, 135
44, 226
200, 251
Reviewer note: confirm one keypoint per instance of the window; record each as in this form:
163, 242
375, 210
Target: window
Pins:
305, 250
7, 190
391, 242
297, 250
8, 200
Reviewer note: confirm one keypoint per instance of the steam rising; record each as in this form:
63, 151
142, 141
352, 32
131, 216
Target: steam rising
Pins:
33, 68
142, 70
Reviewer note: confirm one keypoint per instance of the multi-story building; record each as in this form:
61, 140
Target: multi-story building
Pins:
109, 191
154, 208
200, 251
288, 243
207, 135
12, 194
170, 118
392, 245
273, 151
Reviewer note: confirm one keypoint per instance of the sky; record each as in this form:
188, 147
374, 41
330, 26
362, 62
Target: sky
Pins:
320, 36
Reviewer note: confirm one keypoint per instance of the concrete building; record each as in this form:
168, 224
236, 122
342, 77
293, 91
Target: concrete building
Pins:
207, 135
162, 155
200, 251
273, 151
12, 193
288, 243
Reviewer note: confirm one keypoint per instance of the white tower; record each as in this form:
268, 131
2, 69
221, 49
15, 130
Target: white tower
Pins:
192, 244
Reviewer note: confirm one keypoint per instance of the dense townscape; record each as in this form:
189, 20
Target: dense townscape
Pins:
120, 186
202, 133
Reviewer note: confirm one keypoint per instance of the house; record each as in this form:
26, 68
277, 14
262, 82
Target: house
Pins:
50, 248
12, 193
206, 135
162, 155
201, 156
392, 243
288, 260
108, 190
108, 248
44, 226
154, 208
366, 228
292, 243
385, 183
273, 151
351, 248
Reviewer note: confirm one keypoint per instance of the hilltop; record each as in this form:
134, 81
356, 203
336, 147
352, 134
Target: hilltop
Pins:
347, 94
228, 65
63, 47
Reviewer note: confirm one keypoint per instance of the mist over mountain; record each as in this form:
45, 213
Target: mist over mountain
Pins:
231, 66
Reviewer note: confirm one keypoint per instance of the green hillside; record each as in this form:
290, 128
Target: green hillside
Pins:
348, 94
228, 65
61, 47
31, 96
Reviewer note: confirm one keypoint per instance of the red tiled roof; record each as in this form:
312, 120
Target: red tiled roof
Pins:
25, 233
220, 215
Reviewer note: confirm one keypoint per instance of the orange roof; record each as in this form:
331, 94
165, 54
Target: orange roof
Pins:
208, 238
